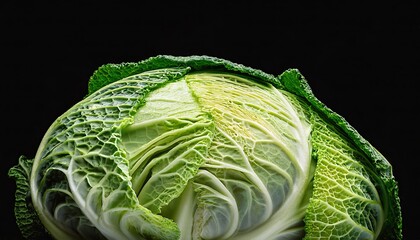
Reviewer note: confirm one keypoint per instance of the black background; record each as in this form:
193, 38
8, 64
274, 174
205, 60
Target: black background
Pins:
360, 60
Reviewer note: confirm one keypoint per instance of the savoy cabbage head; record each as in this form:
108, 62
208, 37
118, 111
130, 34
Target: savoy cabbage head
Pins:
202, 148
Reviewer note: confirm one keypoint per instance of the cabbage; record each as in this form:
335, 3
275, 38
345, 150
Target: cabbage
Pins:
202, 148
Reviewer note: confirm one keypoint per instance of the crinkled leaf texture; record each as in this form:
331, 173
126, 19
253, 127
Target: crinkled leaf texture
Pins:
202, 148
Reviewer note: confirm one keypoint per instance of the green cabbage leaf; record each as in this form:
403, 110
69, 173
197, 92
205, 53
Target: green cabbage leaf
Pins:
203, 148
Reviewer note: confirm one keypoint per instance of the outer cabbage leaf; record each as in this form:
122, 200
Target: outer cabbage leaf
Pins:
26, 216
80, 181
362, 174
